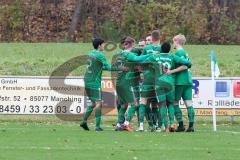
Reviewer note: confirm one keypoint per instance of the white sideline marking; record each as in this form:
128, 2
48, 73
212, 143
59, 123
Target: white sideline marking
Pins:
79, 148
234, 132
40, 148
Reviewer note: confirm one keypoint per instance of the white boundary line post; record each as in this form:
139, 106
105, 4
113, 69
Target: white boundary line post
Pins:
213, 106
213, 98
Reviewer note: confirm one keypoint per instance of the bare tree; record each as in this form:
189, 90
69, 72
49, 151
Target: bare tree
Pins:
77, 15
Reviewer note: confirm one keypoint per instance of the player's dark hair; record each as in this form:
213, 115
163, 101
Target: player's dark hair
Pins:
166, 47
156, 35
123, 40
97, 42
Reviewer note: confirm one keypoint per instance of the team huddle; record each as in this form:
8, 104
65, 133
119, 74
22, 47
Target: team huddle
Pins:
150, 82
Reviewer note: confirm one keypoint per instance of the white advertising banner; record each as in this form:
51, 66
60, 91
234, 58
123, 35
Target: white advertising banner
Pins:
226, 93
35, 95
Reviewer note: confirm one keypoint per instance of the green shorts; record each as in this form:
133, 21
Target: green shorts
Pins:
184, 92
153, 100
165, 91
94, 94
147, 91
169, 97
127, 94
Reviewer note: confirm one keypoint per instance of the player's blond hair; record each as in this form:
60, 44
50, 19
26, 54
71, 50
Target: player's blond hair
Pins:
180, 38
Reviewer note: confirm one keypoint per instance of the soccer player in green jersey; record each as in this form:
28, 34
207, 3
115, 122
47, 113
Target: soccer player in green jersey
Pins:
96, 64
183, 86
138, 51
155, 46
147, 88
128, 83
166, 96
118, 102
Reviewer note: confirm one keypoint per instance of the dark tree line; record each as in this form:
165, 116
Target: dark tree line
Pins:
202, 21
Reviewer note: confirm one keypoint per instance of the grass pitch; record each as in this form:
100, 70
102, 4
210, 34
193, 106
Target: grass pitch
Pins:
49, 138
40, 59
45, 137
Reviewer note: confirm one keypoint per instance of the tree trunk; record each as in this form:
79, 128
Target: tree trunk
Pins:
95, 18
75, 20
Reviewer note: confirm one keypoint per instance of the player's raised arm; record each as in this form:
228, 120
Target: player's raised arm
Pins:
179, 69
135, 58
182, 61
185, 65
107, 67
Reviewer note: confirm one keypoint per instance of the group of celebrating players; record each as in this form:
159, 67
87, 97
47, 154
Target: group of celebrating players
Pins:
150, 81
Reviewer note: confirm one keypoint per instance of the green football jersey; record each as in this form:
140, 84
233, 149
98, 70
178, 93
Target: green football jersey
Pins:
149, 71
128, 59
183, 77
151, 49
168, 61
96, 64
138, 51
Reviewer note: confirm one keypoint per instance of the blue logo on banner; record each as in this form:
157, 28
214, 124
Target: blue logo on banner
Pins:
196, 87
222, 89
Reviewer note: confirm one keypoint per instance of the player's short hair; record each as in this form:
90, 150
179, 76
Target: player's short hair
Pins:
129, 40
150, 34
166, 47
180, 38
156, 35
142, 39
123, 40
97, 42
